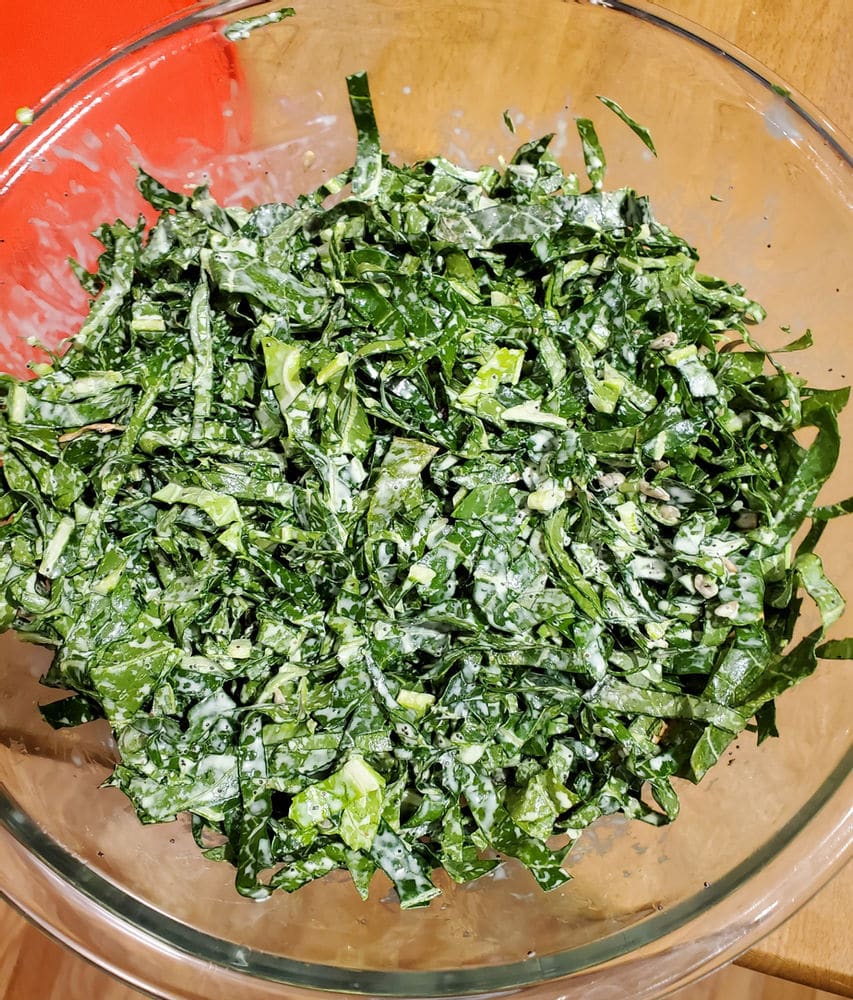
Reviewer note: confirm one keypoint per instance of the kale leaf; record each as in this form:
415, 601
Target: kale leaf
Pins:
413, 530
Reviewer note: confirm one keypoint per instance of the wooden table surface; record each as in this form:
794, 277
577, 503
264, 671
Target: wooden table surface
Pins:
809, 45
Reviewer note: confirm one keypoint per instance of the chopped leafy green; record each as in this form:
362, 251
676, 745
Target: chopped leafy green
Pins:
836, 649
414, 530
639, 130
593, 155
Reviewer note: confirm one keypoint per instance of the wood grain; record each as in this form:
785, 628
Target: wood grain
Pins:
810, 46
815, 946
733, 983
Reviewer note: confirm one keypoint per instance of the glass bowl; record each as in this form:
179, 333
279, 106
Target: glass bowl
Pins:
266, 117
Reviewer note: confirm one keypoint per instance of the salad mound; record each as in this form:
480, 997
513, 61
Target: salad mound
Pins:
411, 529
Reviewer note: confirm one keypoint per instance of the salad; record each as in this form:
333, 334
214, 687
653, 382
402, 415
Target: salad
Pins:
418, 523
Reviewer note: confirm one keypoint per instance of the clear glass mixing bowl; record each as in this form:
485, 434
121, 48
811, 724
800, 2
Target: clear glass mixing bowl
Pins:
266, 117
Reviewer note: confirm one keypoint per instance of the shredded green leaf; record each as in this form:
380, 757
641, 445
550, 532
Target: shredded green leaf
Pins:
411, 531
639, 130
